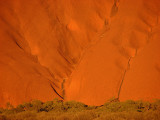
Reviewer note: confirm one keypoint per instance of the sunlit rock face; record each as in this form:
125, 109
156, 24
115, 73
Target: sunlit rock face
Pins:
83, 50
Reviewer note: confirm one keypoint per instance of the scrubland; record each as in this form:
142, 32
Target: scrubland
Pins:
71, 110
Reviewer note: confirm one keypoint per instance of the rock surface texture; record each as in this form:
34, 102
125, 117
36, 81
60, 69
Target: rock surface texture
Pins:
83, 50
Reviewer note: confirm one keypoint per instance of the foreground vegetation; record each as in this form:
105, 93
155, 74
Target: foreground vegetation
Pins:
71, 110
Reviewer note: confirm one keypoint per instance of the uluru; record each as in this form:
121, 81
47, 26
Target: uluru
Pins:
83, 50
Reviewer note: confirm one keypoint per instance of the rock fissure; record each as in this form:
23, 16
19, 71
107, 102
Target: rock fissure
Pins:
56, 92
124, 74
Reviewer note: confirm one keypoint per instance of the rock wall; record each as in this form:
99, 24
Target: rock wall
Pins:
84, 50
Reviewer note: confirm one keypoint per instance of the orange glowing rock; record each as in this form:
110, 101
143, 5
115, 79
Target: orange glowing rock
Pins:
84, 50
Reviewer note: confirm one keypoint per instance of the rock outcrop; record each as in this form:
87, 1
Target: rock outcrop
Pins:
84, 50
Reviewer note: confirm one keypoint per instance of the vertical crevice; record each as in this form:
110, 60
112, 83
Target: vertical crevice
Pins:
123, 77
125, 72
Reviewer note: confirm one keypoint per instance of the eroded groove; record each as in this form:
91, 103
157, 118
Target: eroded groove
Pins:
123, 77
56, 92
114, 9
51, 74
69, 62
14, 39
53, 83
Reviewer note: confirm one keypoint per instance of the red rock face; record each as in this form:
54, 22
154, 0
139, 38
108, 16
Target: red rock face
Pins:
85, 50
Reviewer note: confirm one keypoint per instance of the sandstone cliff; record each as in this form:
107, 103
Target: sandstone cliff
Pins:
84, 50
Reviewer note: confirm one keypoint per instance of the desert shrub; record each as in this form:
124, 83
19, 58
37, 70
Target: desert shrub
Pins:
128, 105
27, 106
74, 106
110, 107
9, 105
37, 105
155, 105
19, 108
48, 106
113, 107
57, 105
140, 106
143, 106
